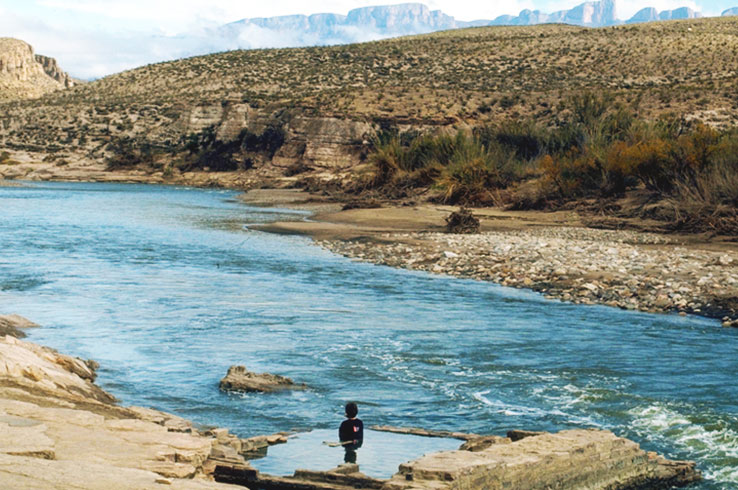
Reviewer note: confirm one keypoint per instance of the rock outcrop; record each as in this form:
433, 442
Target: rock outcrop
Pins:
25, 75
13, 325
241, 379
318, 142
417, 431
59, 430
650, 14
570, 460
52, 69
679, 14
573, 459
362, 24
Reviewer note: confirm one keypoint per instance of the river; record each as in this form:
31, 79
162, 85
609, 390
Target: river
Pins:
167, 287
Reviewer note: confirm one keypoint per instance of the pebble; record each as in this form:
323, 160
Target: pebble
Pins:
618, 268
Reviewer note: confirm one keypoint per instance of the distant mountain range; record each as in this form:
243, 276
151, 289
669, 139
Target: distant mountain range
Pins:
650, 14
590, 14
372, 23
119, 52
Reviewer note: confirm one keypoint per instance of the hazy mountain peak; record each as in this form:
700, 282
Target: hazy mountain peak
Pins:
651, 14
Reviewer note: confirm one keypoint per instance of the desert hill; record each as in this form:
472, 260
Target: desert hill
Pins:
26, 75
317, 107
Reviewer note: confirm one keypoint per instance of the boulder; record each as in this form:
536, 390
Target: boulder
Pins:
241, 379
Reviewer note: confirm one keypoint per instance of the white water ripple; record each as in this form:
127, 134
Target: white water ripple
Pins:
714, 445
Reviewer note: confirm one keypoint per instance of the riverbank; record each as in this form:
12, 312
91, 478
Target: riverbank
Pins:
552, 253
30, 166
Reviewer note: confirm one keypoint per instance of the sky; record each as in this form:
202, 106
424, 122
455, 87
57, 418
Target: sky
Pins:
93, 38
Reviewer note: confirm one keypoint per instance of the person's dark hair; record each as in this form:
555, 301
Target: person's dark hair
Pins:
351, 410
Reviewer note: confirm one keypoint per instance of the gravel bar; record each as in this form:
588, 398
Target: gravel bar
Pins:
625, 269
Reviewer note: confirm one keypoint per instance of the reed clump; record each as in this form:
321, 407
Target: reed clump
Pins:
596, 149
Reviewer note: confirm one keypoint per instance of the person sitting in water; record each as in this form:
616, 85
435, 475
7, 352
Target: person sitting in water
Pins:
351, 433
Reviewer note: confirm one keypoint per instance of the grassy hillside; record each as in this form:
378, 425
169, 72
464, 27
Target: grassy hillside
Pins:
684, 66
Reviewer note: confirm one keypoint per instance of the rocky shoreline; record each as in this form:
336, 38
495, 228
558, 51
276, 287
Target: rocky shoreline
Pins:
624, 269
60, 430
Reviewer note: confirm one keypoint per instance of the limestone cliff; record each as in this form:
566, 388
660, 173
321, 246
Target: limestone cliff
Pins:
52, 69
24, 75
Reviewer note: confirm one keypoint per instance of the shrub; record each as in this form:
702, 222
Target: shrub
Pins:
219, 156
127, 152
474, 171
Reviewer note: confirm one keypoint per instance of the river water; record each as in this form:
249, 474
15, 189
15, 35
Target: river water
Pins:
166, 288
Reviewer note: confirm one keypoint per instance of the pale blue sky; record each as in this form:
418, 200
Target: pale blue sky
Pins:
92, 38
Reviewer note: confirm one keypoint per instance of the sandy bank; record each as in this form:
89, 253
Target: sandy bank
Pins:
553, 253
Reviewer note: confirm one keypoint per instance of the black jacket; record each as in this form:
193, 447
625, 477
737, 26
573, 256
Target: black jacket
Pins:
352, 430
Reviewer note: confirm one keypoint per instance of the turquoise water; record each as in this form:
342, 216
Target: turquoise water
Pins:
166, 289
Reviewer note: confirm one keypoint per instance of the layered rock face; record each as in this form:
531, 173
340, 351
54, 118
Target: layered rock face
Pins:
648, 14
52, 69
361, 24
25, 75
679, 14
59, 430
318, 142
573, 459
